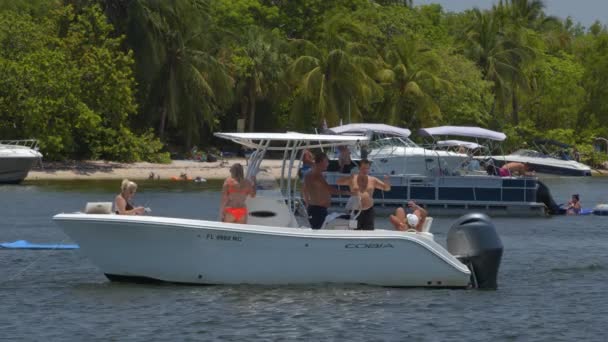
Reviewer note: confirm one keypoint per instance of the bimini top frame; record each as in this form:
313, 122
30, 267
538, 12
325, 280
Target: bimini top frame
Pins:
290, 143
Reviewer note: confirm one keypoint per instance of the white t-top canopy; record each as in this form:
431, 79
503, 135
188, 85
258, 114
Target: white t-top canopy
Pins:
463, 131
290, 140
452, 143
363, 128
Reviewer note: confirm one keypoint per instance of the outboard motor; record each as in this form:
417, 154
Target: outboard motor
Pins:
544, 196
474, 241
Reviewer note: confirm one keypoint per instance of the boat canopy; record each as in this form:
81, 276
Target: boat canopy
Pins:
452, 143
291, 144
292, 140
464, 131
364, 128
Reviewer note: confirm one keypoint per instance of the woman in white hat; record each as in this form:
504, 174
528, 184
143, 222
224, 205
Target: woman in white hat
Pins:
415, 220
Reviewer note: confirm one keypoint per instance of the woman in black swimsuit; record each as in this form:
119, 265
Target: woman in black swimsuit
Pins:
122, 200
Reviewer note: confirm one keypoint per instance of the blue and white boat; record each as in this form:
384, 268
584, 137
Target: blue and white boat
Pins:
452, 191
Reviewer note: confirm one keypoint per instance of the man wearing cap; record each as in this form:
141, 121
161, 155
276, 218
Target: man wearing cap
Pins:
415, 220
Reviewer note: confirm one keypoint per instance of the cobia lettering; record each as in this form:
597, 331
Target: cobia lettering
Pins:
368, 245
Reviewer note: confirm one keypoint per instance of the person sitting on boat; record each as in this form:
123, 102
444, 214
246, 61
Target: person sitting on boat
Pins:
363, 186
492, 170
317, 192
574, 206
308, 161
235, 191
122, 201
344, 159
415, 220
518, 169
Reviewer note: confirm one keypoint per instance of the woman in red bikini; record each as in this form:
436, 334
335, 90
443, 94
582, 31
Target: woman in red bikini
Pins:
234, 193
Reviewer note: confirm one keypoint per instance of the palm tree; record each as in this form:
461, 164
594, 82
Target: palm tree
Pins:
260, 64
183, 83
409, 79
336, 81
500, 56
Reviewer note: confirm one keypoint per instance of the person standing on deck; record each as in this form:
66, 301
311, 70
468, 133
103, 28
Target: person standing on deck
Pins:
363, 185
317, 192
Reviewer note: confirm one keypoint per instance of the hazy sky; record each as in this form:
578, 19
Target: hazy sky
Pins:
584, 11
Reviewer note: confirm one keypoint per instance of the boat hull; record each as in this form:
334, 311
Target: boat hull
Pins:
15, 169
548, 166
457, 195
207, 252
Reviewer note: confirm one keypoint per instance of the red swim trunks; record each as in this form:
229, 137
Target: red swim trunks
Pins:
238, 213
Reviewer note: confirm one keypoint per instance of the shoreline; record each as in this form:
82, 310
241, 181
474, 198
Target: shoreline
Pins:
102, 170
105, 170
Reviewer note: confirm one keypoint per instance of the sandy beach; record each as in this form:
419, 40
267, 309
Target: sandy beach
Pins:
137, 171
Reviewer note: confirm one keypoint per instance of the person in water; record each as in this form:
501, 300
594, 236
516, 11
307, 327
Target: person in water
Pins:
317, 192
415, 220
574, 206
122, 202
235, 191
363, 185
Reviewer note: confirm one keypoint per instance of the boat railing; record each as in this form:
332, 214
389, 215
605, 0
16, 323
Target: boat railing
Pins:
22, 143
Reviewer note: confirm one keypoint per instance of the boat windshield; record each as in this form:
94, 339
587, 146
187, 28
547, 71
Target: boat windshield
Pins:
529, 153
392, 142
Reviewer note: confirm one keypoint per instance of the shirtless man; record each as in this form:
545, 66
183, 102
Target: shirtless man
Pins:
363, 186
415, 220
317, 193
519, 169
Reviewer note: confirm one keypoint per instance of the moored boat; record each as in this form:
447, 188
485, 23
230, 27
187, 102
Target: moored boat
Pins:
277, 246
17, 157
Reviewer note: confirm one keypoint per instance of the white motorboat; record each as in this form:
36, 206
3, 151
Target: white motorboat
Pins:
543, 161
17, 157
276, 246
392, 151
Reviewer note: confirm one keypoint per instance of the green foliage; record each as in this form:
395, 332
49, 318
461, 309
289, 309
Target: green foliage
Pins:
470, 97
181, 69
71, 90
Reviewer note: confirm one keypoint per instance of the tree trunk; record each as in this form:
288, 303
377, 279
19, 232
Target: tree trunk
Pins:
251, 109
515, 113
163, 119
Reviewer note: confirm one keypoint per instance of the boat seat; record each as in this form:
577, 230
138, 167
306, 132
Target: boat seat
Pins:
427, 225
98, 208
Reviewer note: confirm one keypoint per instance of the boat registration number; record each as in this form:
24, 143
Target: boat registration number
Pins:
223, 237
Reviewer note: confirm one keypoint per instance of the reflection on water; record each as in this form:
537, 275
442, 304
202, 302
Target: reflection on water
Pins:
552, 282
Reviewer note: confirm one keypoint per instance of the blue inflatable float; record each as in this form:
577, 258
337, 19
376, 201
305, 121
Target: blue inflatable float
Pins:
22, 244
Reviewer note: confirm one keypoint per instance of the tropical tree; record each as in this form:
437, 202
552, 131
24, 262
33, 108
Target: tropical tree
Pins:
183, 83
500, 55
259, 62
336, 78
408, 78
334, 81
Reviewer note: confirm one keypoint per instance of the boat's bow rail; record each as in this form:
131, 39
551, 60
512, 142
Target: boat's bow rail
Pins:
20, 148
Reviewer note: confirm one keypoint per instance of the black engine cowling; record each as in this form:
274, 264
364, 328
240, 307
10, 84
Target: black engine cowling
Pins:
474, 241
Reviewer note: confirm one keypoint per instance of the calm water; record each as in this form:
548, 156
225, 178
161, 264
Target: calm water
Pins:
552, 283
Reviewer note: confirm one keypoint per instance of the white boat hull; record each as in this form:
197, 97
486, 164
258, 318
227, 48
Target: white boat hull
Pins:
548, 165
208, 252
15, 169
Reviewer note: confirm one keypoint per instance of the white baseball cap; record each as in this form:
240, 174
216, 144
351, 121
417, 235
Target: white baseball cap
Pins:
412, 220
